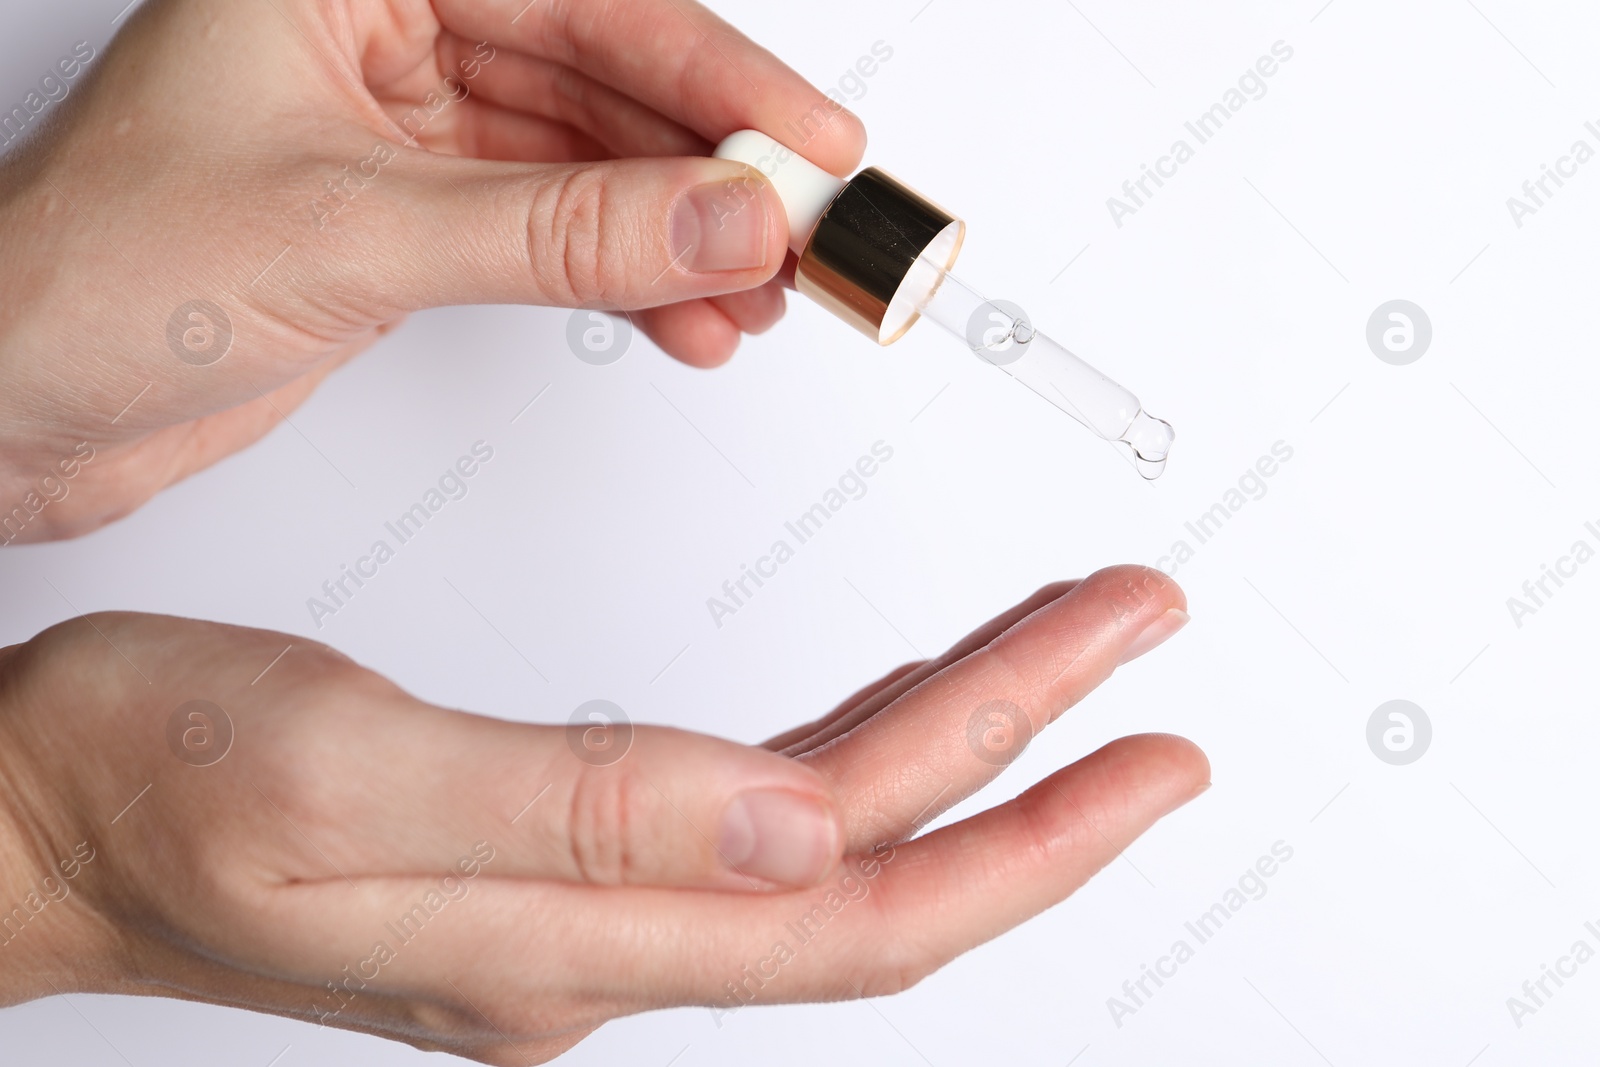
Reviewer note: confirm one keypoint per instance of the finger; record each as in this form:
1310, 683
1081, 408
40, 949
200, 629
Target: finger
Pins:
889, 918
950, 891
848, 718
706, 333
943, 740
595, 803
785, 278
695, 332
566, 95
695, 68
876, 927
484, 130
620, 234
800, 733
754, 311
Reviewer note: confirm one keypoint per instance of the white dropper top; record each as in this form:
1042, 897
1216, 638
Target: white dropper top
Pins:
805, 188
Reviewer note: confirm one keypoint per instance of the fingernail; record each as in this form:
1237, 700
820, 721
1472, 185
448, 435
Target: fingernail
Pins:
783, 837
719, 227
1170, 622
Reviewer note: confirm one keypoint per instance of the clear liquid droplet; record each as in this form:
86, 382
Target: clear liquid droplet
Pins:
1149, 439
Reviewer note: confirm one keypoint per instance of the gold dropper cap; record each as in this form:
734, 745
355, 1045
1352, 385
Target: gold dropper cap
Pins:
879, 245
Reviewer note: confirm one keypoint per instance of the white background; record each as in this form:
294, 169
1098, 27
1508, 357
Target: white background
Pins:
1377, 565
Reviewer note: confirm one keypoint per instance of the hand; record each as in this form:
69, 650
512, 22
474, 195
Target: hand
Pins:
328, 848
314, 171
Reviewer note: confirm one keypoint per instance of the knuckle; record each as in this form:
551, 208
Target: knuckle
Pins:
565, 247
1053, 590
305, 760
92, 634
1045, 835
897, 970
605, 817
315, 684
99, 653
900, 959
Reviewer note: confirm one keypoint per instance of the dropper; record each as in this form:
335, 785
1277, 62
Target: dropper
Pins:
878, 255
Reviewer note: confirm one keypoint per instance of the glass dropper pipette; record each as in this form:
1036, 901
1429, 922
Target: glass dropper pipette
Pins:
1001, 334
878, 255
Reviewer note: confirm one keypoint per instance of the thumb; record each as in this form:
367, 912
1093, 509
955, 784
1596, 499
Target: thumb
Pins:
672, 808
598, 801
623, 234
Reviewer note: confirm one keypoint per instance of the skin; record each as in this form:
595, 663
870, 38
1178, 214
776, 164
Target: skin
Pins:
558, 890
